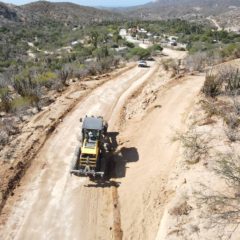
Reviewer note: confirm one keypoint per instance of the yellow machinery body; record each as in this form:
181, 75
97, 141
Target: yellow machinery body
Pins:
89, 154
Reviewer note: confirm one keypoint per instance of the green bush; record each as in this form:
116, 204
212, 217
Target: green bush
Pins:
46, 78
21, 103
231, 50
139, 52
27, 86
156, 47
5, 103
129, 44
101, 53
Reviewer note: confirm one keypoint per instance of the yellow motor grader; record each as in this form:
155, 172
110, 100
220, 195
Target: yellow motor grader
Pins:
90, 156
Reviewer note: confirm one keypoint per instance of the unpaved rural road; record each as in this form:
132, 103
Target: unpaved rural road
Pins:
219, 28
55, 205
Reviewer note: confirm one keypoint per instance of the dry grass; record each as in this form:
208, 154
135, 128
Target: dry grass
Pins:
195, 145
182, 209
212, 85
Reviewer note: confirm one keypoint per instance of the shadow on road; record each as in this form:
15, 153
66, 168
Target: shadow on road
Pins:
116, 161
119, 157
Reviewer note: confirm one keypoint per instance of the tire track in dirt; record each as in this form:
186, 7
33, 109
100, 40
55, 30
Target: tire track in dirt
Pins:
118, 233
115, 113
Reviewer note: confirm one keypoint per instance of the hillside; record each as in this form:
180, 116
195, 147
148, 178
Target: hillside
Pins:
9, 13
62, 12
185, 9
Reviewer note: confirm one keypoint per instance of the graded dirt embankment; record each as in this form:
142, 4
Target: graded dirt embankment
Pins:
142, 192
50, 204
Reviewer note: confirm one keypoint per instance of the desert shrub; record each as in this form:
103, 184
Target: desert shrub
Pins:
140, 53
156, 47
180, 210
78, 70
101, 53
233, 82
210, 107
228, 167
115, 46
231, 119
181, 49
129, 44
92, 68
3, 137
236, 106
83, 51
166, 64
171, 64
64, 74
195, 145
230, 78
212, 86
223, 207
5, 99
46, 79
231, 51
8, 127
27, 87
20, 104
196, 61
105, 64
232, 134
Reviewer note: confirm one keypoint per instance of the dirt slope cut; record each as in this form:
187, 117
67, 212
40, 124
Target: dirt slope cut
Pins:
142, 193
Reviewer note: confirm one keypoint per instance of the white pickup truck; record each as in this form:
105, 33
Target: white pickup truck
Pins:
142, 63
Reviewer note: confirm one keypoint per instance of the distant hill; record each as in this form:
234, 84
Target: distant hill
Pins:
186, 9
62, 12
226, 12
9, 13
179, 7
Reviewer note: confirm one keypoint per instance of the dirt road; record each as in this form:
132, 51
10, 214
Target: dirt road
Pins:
219, 28
50, 204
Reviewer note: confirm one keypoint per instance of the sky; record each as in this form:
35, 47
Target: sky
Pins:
104, 3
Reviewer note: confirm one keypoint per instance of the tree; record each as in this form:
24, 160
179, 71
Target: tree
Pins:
94, 35
116, 37
140, 52
101, 53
